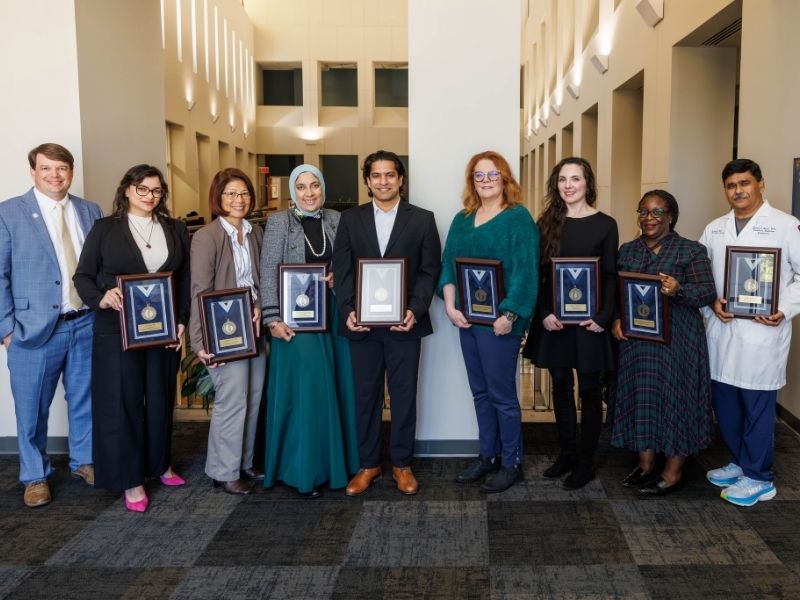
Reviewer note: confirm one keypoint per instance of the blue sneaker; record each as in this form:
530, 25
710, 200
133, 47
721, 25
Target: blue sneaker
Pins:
725, 476
747, 492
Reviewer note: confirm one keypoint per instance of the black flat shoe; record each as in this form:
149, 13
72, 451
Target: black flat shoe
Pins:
563, 465
477, 470
580, 476
313, 494
637, 478
237, 488
659, 488
502, 480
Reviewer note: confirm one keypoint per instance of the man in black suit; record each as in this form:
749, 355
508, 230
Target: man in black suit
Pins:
387, 228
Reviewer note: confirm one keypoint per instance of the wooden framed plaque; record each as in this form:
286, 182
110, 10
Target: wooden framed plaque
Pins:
575, 288
752, 281
303, 296
645, 311
147, 318
480, 289
227, 324
381, 292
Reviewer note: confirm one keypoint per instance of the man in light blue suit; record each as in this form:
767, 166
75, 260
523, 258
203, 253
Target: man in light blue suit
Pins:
44, 325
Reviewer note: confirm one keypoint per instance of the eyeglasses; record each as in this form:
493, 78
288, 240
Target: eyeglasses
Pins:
143, 190
480, 175
656, 213
233, 195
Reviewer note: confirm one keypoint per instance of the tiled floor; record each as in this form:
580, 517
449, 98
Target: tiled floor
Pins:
533, 541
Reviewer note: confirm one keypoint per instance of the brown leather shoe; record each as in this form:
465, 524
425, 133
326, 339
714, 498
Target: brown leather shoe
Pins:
362, 480
406, 482
37, 494
85, 472
240, 487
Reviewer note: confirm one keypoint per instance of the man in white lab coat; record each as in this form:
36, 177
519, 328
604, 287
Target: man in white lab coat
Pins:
748, 355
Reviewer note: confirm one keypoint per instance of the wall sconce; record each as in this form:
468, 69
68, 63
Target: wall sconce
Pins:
600, 62
233, 127
543, 121
573, 90
652, 11
214, 117
190, 104
556, 108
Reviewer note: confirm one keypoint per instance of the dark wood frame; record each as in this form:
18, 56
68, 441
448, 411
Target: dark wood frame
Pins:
497, 267
587, 260
625, 277
305, 268
123, 281
403, 264
252, 347
776, 278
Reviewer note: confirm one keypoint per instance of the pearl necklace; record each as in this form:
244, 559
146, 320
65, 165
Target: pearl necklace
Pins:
324, 241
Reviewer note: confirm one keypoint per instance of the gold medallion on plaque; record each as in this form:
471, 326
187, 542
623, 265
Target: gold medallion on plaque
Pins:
643, 310
381, 294
149, 313
750, 285
229, 327
575, 294
481, 295
302, 301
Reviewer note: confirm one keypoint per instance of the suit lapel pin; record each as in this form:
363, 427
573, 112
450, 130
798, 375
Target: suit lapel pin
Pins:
35, 215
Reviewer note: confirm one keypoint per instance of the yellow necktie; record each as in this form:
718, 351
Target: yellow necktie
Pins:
69, 255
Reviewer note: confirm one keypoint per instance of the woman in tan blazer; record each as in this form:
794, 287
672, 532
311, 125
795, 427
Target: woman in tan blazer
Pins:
225, 254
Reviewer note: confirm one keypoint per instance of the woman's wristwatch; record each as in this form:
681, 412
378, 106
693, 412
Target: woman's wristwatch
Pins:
510, 315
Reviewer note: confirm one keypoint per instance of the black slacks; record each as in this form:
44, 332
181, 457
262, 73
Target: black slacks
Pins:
398, 360
133, 395
591, 395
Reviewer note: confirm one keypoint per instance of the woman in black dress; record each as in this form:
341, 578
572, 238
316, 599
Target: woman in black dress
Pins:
570, 226
133, 392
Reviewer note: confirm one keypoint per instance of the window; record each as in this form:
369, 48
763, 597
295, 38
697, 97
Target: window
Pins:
280, 165
339, 85
391, 85
283, 86
341, 180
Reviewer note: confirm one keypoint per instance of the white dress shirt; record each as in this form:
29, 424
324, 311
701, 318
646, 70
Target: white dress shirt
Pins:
384, 222
241, 254
47, 207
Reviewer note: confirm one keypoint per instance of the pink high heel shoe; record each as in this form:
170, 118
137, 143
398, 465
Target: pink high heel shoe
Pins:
174, 480
139, 506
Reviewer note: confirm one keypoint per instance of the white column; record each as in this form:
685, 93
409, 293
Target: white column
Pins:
464, 61
115, 122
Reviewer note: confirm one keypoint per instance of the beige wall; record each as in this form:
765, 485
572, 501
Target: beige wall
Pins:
769, 131
340, 31
192, 103
687, 102
122, 96
68, 88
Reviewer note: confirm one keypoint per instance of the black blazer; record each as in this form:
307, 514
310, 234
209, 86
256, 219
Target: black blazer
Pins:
414, 236
110, 250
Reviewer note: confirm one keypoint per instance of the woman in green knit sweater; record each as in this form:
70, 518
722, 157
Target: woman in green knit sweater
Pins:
494, 225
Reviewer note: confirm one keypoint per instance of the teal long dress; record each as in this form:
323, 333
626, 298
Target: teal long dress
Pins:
311, 420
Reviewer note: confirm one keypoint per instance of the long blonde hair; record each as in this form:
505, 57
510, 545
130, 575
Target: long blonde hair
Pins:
512, 194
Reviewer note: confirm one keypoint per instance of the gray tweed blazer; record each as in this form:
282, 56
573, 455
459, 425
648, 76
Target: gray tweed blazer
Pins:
284, 244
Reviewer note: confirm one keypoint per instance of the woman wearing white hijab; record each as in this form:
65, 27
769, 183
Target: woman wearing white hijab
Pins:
311, 431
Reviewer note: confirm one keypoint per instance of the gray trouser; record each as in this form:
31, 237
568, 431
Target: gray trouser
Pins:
234, 420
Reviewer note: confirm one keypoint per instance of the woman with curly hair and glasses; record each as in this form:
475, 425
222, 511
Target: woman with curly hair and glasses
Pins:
133, 391
493, 225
